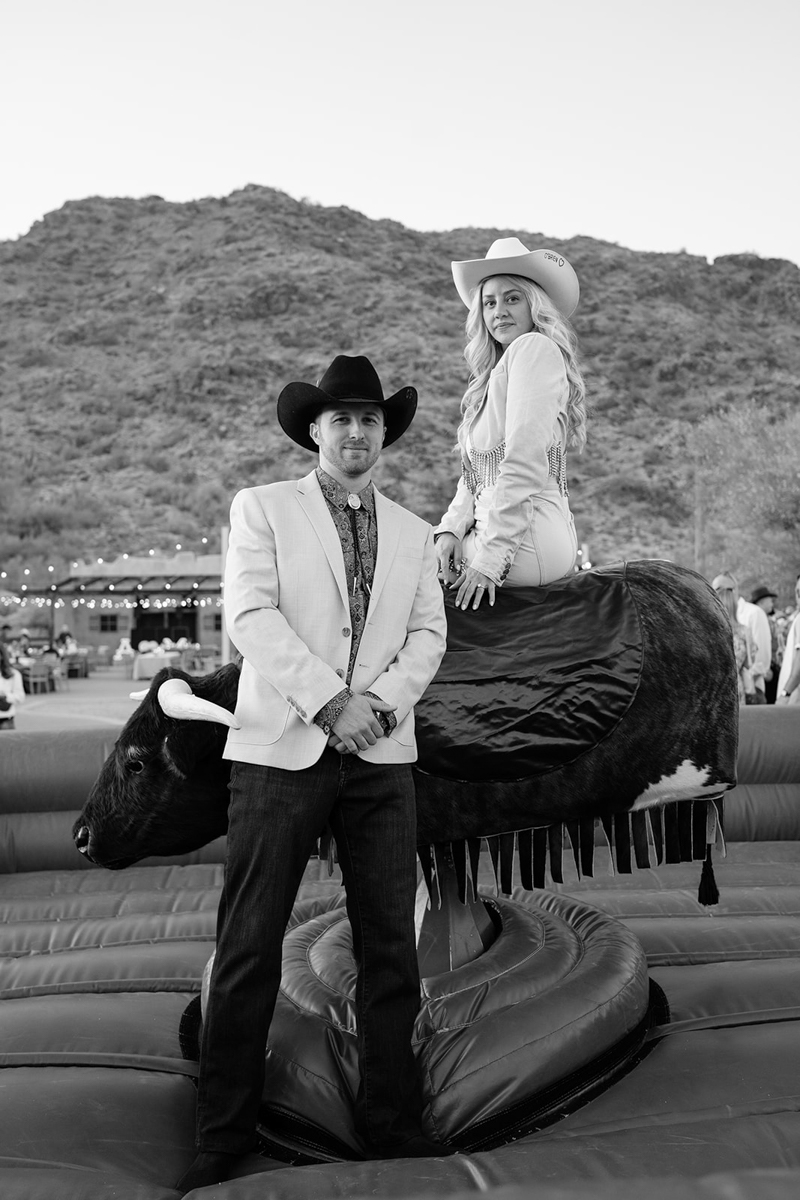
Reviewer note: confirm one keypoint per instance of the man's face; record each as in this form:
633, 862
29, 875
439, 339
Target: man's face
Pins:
350, 437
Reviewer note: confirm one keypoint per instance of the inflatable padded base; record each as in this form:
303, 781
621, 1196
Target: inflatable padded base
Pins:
562, 993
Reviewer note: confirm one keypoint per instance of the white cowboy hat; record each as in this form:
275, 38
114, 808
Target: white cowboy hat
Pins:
508, 256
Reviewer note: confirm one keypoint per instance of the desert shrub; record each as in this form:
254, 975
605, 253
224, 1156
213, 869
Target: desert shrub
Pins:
38, 356
159, 493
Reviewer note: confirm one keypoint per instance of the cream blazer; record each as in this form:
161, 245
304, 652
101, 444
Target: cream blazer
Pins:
525, 409
287, 612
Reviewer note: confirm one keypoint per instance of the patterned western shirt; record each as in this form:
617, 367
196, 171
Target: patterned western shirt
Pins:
358, 536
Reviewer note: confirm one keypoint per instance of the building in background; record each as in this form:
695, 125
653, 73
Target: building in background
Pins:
142, 598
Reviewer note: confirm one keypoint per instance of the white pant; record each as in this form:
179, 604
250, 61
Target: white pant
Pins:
548, 550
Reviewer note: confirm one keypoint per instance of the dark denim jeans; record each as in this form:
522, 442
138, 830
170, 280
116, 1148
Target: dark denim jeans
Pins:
275, 817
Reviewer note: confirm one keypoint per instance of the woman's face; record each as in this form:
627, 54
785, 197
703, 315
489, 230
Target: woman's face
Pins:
506, 312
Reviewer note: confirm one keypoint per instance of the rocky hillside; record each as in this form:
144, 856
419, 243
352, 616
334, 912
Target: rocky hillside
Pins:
143, 345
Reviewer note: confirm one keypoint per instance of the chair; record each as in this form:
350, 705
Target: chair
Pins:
75, 666
210, 658
40, 678
58, 668
190, 661
59, 673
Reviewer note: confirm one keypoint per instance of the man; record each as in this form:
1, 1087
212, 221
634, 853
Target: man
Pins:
762, 597
332, 598
756, 620
789, 679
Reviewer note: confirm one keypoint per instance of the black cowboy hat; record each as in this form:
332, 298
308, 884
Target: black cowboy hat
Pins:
346, 381
761, 592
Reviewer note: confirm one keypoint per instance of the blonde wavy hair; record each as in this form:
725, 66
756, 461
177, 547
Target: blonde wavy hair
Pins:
727, 588
483, 353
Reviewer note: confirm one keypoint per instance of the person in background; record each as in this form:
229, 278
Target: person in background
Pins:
52, 655
756, 620
789, 678
727, 589
12, 691
510, 523
764, 598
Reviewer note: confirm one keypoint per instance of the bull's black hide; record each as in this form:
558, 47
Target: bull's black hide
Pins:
631, 676
533, 684
562, 704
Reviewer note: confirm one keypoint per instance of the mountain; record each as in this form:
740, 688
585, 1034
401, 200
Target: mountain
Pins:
143, 345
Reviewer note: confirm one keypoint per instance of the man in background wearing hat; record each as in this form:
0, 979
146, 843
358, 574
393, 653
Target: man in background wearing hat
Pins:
332, 598
754, 616
764, 598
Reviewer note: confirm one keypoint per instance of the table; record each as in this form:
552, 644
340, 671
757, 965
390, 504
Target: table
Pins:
145, 666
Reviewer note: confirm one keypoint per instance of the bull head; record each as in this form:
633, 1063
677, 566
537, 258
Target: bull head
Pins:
163, 790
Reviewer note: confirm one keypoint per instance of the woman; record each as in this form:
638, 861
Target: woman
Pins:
12, 691
727, 589
510, 521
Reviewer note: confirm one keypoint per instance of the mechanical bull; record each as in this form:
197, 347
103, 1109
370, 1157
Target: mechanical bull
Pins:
610, 695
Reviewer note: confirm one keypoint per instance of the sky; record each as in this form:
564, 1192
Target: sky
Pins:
658, 126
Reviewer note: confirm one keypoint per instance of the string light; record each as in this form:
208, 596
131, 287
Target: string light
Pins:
25, 595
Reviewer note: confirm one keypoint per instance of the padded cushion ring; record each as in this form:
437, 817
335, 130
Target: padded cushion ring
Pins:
560, 986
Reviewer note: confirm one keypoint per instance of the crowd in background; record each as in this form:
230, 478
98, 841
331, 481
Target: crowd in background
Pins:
766, 642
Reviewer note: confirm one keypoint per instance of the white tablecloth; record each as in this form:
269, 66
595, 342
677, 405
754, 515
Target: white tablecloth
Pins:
145, 666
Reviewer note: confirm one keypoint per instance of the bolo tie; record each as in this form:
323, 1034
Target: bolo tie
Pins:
359, 578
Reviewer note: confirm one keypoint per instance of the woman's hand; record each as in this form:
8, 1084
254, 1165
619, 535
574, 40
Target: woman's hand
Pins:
448, 552
473, 586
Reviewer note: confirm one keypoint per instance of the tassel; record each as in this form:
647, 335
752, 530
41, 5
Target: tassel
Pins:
555, 844
458, 856
708, 892
525, 852
541, 839
507, 841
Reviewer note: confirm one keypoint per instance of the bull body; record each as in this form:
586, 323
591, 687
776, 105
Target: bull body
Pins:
163, 790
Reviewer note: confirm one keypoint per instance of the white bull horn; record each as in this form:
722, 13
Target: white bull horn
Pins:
140, 695
179, 701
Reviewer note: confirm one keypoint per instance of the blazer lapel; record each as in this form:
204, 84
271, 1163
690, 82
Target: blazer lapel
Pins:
313, 503
389, 523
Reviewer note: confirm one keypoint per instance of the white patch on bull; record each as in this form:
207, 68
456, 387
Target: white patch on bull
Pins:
688, 782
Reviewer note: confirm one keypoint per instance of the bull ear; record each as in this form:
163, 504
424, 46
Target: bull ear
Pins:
177, 700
